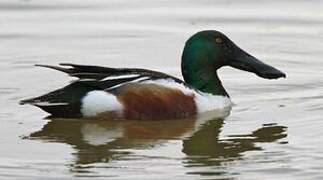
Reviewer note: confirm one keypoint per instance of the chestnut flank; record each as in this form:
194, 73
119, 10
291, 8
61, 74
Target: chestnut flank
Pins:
152, 101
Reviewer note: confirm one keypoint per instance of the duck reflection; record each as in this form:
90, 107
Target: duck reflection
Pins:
206, 148
101, 141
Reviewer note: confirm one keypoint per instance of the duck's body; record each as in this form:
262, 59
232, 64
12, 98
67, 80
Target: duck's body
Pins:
111, 93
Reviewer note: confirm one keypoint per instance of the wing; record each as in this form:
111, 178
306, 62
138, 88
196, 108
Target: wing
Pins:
105, 77
66, 102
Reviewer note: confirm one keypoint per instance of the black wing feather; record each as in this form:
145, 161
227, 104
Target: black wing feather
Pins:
98, 73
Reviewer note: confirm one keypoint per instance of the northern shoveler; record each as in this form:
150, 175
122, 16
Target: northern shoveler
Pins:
125, 93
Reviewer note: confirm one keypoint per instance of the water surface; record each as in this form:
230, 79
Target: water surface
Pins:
274, 130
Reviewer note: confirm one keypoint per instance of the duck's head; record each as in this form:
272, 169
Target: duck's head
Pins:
207, 51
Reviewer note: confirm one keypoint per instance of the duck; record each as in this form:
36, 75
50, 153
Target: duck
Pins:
134, 93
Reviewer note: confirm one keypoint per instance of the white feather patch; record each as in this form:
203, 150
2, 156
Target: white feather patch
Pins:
120, 77
49, 104
96, 102
133, 81
206, 102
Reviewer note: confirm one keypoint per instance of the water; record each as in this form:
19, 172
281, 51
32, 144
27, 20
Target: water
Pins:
274, 130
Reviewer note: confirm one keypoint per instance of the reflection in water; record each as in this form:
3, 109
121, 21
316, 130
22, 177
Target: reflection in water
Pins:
96, 141
99, 141
205, 148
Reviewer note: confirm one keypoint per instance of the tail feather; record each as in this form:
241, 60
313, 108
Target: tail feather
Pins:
83, 71
65, 70
27, 101
64, 102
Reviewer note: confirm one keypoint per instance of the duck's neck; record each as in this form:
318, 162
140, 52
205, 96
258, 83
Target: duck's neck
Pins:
205, 80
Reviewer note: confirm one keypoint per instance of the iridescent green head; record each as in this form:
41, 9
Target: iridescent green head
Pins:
207, 51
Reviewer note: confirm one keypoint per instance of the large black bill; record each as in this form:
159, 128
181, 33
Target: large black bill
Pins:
246, 62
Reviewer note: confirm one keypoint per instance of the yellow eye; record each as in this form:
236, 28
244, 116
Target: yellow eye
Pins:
218, 40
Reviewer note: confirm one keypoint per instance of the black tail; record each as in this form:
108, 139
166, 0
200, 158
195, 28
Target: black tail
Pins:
64, 102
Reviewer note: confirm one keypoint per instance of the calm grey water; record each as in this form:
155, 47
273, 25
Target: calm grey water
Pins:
274, 130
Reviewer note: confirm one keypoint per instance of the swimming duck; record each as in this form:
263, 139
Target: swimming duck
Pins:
127, 93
